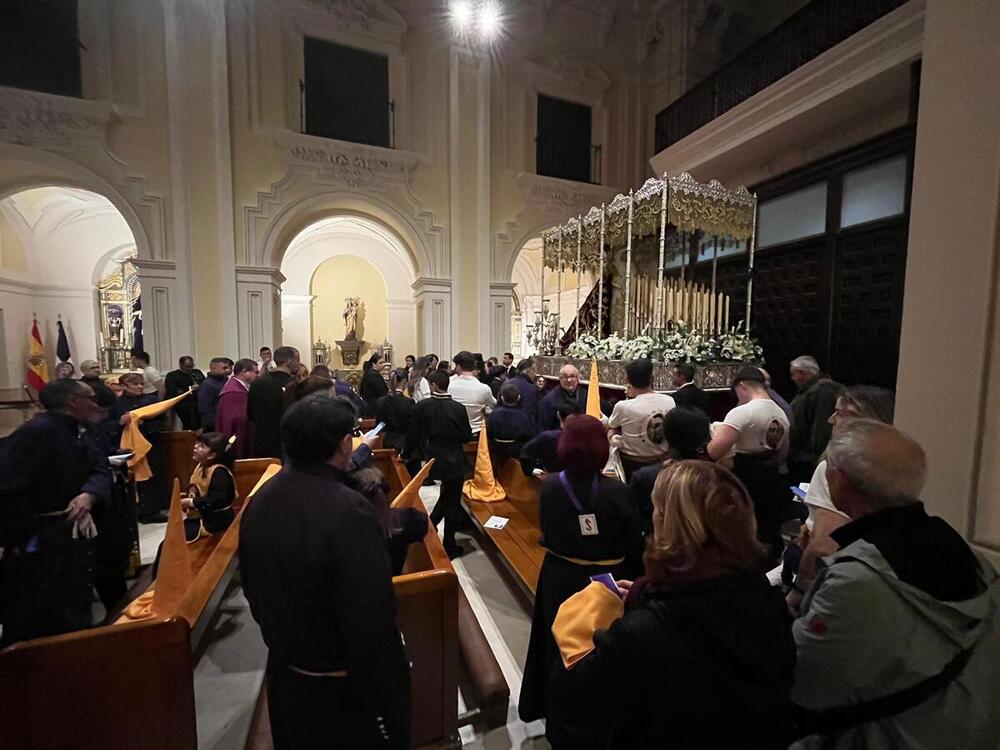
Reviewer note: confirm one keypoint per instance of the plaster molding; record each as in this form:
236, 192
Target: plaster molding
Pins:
22, 286
569, 72
562, 197
372, 18
71, 136
259, 275
431, 285
30, 118
308, 192
351, 164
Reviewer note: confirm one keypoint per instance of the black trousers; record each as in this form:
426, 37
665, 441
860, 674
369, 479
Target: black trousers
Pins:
631, 465
324, 712
449, 507
47, 585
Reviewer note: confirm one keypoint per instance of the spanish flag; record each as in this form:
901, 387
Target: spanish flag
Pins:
38, 368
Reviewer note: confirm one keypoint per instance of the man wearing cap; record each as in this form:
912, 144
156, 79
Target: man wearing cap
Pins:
757, 431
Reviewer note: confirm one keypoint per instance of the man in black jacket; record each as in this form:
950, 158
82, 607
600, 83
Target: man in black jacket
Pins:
811, 409
439, 429
219, 370
50, 479
687, 393
185, 377
266, 403
316, 572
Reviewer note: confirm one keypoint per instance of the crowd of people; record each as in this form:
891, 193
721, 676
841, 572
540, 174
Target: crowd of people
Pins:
880, 630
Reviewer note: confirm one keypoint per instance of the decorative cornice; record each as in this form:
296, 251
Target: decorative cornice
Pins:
29, 118
562, 197
569, 72
429, 284
352, 164
259, 275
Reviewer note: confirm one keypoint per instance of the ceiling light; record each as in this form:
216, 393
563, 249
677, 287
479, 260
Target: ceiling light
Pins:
489, 21
461, 14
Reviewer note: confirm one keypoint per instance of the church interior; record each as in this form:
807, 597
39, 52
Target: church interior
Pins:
546, 212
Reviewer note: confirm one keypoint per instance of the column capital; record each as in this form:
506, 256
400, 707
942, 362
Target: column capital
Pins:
259, 275
431, 284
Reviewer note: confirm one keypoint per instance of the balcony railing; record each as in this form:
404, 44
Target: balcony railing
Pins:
817, 27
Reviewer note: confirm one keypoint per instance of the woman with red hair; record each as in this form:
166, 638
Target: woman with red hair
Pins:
589, 525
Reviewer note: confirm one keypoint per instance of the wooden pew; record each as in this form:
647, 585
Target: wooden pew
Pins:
247, 472
427, 615
515, 548
118, 686
72, 691
177, 446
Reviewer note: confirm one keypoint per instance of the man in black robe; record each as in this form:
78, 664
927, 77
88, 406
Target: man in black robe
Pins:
178, 381
50, 478
687, 393
315, 570
439, 429
266, 403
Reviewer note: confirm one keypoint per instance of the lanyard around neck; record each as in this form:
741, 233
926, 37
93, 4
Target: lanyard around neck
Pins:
572, 495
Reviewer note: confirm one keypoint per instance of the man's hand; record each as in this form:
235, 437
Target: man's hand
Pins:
187, 503
370, 440
79, 506
126, 418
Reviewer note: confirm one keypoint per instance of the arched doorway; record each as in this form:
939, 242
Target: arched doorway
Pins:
66, 253
564, 298
348, 256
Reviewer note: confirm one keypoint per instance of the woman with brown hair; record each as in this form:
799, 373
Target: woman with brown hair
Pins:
703, 656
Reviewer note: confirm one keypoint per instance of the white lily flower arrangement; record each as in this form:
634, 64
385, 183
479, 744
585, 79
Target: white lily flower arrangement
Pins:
679, 344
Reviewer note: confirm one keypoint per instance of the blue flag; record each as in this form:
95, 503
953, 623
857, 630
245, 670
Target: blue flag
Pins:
62, 345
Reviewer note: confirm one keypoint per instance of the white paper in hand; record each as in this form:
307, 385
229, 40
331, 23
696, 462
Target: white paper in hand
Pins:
495, 522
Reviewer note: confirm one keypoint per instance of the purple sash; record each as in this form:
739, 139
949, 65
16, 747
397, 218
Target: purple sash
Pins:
572, 495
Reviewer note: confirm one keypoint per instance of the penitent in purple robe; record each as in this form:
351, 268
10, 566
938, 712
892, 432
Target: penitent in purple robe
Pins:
231, 417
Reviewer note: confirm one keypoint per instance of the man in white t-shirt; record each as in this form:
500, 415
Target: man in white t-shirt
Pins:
152, 380
758, 431
636, 424
466, 389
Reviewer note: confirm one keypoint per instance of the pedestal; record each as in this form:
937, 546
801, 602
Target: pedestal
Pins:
350, 350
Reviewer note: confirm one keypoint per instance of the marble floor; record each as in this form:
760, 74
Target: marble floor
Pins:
231, 657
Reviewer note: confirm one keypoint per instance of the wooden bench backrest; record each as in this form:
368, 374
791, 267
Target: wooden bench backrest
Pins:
427, 615
177, 446
120, 686
247, 472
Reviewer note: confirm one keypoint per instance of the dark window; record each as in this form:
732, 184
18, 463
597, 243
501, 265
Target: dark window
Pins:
346, 93
40, 46
563, 143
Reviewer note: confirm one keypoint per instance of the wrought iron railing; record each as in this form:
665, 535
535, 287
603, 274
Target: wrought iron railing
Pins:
817, 27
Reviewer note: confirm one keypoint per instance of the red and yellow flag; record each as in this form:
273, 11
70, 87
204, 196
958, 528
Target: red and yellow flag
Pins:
38, 368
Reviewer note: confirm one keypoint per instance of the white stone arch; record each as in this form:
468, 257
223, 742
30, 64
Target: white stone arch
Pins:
295, 217
352, 236
23, 168
57, 242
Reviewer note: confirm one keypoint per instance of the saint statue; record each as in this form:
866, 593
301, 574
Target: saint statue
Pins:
350, 316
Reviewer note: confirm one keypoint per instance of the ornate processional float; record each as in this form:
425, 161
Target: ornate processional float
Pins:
655, 296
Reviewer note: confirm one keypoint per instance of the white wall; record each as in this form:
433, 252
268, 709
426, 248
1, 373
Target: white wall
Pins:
66, 235
357, 237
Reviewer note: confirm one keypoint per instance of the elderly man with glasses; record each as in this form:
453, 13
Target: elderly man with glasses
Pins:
50, 479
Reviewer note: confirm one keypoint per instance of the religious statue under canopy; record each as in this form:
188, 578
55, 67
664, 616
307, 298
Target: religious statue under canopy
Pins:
350, 315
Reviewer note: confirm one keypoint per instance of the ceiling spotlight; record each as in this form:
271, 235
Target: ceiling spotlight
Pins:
461, 14
489, 21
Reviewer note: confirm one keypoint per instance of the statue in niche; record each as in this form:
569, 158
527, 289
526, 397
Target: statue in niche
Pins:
352, 308
116, 321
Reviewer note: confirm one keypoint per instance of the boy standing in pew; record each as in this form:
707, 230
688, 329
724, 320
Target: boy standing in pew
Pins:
315, 570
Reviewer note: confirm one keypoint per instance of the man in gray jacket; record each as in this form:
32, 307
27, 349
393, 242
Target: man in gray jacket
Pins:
898, 637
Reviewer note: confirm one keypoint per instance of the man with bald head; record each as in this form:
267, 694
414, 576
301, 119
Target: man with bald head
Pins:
897, 643
569, 390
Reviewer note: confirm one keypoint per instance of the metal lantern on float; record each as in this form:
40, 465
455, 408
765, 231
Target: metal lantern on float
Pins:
321, 353
385, 352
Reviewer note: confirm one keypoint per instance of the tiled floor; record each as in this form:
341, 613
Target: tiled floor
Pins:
231, 657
